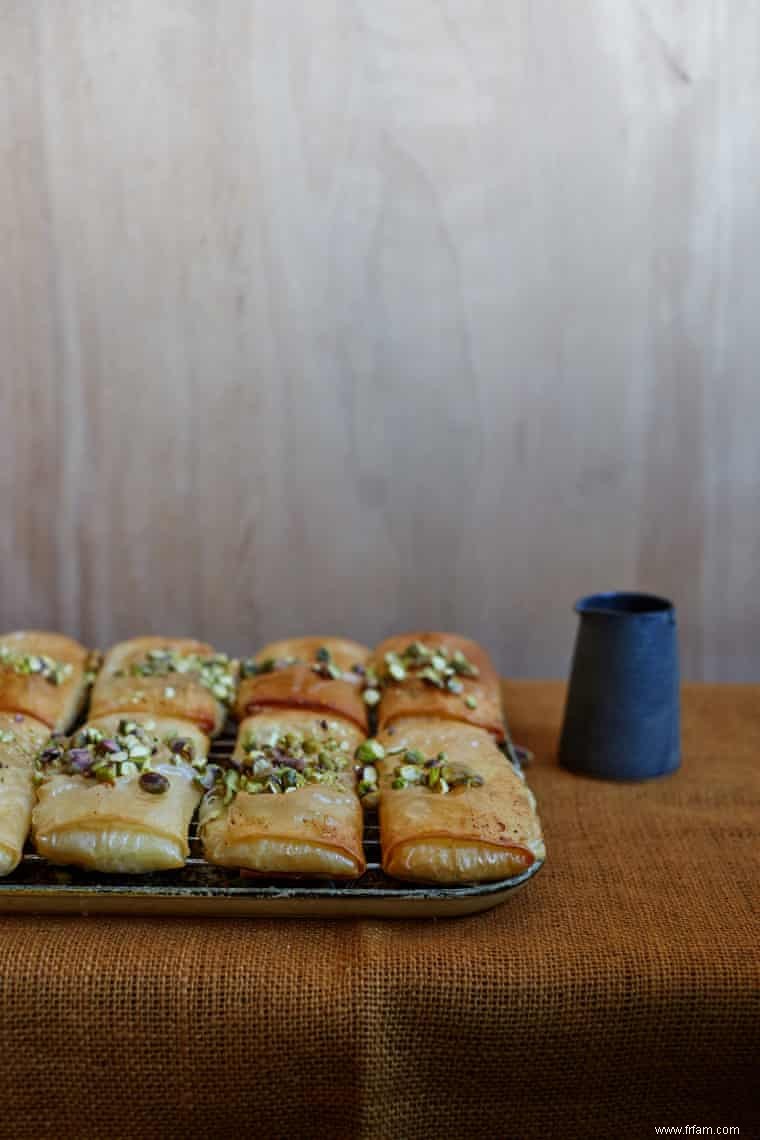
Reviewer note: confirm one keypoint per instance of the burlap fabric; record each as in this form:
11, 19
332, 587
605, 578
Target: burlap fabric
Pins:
619, 991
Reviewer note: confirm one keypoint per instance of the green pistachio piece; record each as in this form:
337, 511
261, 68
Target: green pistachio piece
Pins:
371, 697
454, 686
433, 777
471, 702
414, 756
462, 666
289, 778
398, 783
369, 751
456, 774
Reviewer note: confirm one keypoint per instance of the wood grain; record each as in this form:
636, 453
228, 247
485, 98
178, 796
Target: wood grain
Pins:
356, 317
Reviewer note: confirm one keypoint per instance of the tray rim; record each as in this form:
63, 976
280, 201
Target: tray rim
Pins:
413, 901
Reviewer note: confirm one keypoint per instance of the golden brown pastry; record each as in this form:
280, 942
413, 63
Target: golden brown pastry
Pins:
438, 675
21, 738
166, 676
119, 794
325, 674
452, 807
46, 676
288, 804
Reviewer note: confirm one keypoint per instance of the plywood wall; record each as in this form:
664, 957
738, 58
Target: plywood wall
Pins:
355, 316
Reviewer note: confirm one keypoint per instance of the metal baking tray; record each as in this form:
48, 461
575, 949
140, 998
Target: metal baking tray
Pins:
200, 890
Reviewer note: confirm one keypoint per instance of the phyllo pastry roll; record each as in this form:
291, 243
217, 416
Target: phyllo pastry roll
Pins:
452, 807
21, 738
324, 674
119, 794
287, 804
438, 675
45, 676
166, 676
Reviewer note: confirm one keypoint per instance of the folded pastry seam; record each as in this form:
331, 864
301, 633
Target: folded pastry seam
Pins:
167, 676
434, 674
46, 676
119, 794
286, 802
311, 673
21, 737
452, 807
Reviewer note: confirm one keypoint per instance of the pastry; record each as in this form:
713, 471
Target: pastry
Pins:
287, 804
21, 738
434, 674
166, 677
452, 807
119, 794
324, 674
45, 676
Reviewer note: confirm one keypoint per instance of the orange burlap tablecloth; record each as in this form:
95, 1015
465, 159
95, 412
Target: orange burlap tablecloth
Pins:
617, 992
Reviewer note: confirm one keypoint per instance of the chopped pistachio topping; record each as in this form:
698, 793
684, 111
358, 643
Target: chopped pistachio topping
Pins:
129, 752
6, 736
277, 763
250, 667
29, 664
435, 666
438, 773
217, 673
368, 752
322, 664
471, 702
368, 779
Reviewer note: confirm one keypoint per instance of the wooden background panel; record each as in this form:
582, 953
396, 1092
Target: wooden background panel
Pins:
358, 317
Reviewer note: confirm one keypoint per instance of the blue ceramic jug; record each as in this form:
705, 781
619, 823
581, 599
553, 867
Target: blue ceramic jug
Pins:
622, 717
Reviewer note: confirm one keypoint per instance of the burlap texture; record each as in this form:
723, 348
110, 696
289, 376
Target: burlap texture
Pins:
619, 990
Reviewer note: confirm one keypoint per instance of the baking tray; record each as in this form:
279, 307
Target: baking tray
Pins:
200, 890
